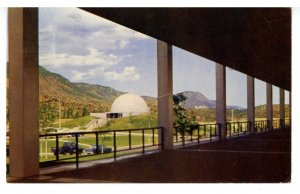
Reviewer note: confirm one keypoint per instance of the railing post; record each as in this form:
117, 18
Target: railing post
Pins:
115, 146
192, 130
210, 133
56, 146
282, 123
219, 129
216, 130
153, 142
129, 139
162, 138
77, 161
198, 134
183, 137
249, 126
268, 125
97, 143
143, 136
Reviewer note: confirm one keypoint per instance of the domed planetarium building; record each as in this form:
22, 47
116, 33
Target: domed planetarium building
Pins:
127, 105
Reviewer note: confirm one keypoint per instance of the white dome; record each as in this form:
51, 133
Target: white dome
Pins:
130, 104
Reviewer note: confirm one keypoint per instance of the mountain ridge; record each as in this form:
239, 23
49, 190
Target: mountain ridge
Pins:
58, 90
197, 100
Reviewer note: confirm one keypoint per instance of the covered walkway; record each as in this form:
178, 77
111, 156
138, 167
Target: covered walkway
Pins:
257, 158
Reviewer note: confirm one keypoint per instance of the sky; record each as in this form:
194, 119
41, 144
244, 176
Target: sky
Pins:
86, 48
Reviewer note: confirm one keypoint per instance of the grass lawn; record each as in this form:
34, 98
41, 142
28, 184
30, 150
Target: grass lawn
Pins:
71, 123
133, 122
88, 140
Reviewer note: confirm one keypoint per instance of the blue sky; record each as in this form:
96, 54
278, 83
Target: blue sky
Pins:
86, 48
193, 73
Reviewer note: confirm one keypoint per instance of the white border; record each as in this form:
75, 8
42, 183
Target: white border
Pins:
3, 58
152, 3
157, 188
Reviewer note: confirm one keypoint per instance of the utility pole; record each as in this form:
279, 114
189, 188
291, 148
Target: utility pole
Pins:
59, 126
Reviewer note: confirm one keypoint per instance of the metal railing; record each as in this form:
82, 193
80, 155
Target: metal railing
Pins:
287, 123
196, 133
148, 138
262, 125
237, 128
277, 124
114, 135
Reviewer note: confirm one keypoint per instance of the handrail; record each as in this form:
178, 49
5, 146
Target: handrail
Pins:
195, 133
91, 132
115, 147
239, 127
209, 131
261, 125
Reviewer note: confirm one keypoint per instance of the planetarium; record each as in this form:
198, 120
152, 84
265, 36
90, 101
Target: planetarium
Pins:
128, 104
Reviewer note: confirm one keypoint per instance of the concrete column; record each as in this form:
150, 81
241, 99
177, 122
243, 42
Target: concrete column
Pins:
221, 98
250, 102
290, 105
23, 92
282, 108
270, 106
165, 92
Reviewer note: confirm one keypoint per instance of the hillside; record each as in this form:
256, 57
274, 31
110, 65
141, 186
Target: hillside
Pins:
196, 100
74, 97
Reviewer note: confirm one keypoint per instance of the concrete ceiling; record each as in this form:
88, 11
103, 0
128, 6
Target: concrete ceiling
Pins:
254, 41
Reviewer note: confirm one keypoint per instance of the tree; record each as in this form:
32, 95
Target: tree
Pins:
85, 111
47, 115
182, 118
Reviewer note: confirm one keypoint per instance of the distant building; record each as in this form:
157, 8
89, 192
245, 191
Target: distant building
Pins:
125, 105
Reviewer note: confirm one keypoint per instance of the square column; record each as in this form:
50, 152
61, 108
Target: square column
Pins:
23, 92
290, 109
250, 102
282, 108
270, 106
165, 92
221, 99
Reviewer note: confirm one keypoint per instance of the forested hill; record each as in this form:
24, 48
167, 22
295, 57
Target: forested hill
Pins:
75, 99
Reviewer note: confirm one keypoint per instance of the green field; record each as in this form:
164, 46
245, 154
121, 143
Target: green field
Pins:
132, 122
122, 141
80, 122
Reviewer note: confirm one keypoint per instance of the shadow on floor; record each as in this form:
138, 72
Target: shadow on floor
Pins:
257, 158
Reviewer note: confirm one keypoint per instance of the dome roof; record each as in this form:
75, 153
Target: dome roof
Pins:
129, 103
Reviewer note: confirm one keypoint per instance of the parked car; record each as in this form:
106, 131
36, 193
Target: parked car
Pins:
68, 147
93, 149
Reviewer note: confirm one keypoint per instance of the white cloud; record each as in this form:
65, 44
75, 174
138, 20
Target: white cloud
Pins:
93, 58
78, 76
128, 74
123, 44
73, 31
85, 46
